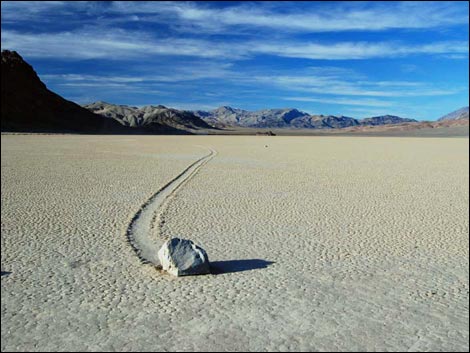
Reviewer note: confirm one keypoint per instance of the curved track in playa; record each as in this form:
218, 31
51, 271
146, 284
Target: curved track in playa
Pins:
139, 229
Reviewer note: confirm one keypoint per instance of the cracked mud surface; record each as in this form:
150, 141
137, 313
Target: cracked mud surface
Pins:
320, 243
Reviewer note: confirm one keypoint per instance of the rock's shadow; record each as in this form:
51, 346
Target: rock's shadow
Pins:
231, 266
6, 273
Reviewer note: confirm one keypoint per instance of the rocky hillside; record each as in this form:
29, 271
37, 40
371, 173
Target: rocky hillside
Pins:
459, 114
385, 120
148, 118
228, 116
455, 124
289, 118
28, 106
323, 122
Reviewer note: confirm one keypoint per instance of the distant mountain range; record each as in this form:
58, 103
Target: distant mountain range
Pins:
460, 114
28, 106
149, 117
228, 116
288, 118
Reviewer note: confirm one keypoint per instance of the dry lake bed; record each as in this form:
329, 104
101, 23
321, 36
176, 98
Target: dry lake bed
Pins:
317, 243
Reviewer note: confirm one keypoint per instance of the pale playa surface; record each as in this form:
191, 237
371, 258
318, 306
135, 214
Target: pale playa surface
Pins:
368, 239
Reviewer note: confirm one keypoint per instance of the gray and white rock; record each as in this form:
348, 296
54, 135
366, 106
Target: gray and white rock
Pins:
288, 118
148, 117
181, 257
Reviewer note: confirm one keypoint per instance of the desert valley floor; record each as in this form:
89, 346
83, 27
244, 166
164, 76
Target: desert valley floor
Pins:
317, 243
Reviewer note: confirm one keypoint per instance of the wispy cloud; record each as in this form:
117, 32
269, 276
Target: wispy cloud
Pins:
358, 50
342, 101
331, 17
333, 85
120, 44
79, 78
337, 17
182, 72
101, 43
315, 84
101, 29
246, 52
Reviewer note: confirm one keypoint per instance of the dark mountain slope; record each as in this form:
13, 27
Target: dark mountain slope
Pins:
28, 106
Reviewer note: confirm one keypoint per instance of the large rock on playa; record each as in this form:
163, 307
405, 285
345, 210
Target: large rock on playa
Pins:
181, 257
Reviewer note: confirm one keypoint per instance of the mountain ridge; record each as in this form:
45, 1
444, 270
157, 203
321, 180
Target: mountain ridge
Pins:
147, 117
458, 114
226, 116
29, 106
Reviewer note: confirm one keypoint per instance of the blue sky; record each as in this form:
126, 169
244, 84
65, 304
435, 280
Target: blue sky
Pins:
356, 59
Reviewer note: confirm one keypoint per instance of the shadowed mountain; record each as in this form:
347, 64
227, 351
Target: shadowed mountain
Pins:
385, 120
324, 122
149, 118
28, 106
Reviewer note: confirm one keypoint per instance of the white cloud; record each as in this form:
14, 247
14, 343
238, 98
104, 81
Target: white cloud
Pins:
77, 78
456, 56
99, 43
342, 101
332, 85
358, 50
286, 17
176, 73
392, 83
282, 17
95, 33
116, 44
211, 37
29, 11
316, 84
